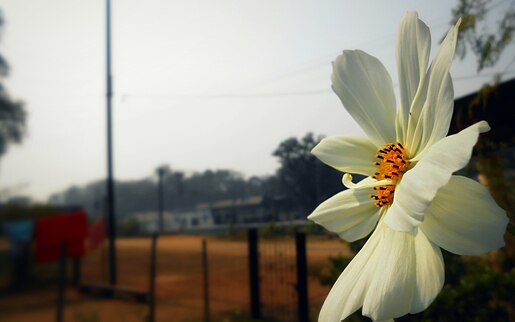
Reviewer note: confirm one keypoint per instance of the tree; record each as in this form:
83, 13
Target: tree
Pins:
180, 191
12, 114
493, 102
485, 44
304, 180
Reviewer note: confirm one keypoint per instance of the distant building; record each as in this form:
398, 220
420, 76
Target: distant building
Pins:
219, 215
241, 212
254, 209
195, 219
149, 220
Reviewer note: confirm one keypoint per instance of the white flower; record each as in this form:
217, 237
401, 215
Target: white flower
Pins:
410, 196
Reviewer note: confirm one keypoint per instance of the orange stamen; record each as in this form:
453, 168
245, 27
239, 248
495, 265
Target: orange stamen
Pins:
392, 164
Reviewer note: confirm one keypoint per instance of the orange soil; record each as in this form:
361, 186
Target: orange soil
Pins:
179, 281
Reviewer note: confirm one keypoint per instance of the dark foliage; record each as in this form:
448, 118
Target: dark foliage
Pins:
474, 291
486, 44
180, 191
302, 178
12, 114
301, 183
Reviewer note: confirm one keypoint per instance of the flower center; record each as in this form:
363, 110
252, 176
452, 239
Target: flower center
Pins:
392, 164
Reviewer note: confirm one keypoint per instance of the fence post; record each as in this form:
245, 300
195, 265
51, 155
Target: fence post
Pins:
302, 277
61, 288
255, 302
206, 280
76, 271
152, 290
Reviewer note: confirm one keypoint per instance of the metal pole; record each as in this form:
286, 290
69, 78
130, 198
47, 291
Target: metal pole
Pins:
62, 281
302, 277
152, 290
111, 227
76, 262
160, 173
206, 280
255, 301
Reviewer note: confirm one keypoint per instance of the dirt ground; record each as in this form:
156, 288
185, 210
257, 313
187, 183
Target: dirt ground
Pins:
179, 282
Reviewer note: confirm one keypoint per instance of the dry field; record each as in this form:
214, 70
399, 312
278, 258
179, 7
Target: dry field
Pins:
179, 281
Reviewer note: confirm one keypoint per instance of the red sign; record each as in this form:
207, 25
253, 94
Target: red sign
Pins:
52, 232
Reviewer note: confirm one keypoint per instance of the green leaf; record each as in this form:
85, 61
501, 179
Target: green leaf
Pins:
511, 228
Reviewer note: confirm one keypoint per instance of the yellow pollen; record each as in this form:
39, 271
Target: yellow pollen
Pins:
392, 164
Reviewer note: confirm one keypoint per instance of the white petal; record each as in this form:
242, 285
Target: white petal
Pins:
351, 214
368, 182
430, 272
464, 218
395, 273
347, 154
413, 47
419, 185
347, 294
392, 289
435, 117
366, 90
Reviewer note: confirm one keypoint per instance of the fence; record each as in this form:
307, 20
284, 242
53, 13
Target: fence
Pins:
200, 279
278, 277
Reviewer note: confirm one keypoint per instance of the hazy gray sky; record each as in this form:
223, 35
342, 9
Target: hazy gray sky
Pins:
197, 84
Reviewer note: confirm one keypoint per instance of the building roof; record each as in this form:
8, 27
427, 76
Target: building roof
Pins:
232, 203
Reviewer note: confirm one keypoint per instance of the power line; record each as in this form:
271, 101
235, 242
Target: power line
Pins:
506, 72
289, 93
270, 94
306, 66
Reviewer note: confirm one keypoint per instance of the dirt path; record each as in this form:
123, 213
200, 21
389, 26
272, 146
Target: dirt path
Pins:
179, 284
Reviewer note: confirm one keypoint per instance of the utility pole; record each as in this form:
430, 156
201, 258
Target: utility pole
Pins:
111, 227
160, 197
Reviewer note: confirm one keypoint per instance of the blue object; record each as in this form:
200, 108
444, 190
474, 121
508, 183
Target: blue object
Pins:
18, 233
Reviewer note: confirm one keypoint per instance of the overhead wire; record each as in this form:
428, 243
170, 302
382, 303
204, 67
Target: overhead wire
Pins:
310, 65
298, 93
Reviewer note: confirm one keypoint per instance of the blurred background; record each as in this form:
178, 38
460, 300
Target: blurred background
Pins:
214, 108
